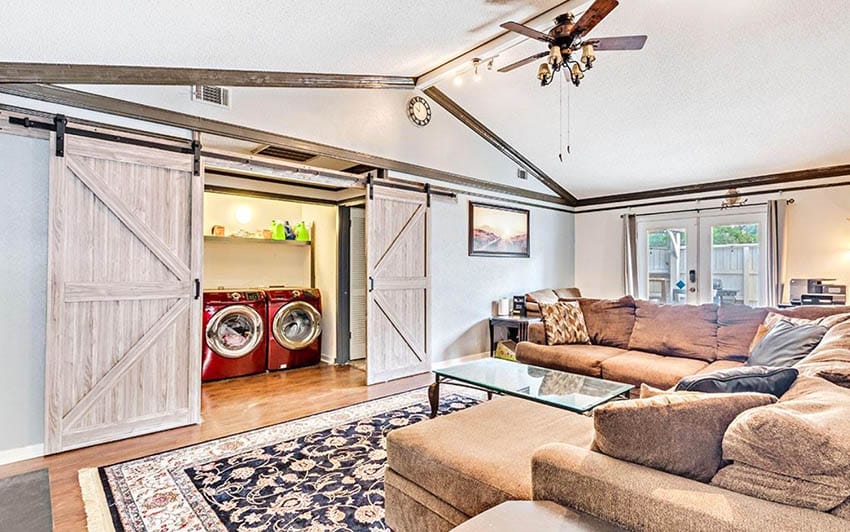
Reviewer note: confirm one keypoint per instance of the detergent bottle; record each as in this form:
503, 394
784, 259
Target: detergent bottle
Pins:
301, 232
278, 230
290, 234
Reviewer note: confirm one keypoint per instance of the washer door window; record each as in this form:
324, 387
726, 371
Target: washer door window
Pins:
296, 325
235, 331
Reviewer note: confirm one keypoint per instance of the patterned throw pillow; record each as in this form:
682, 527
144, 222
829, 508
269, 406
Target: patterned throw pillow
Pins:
564, 324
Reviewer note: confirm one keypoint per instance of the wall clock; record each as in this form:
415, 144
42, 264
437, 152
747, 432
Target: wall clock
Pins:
419, 111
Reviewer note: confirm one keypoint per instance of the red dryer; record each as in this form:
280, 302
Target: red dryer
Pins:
294, 326
234, 334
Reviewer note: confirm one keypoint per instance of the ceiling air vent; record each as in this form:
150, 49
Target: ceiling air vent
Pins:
285, 153
211, 94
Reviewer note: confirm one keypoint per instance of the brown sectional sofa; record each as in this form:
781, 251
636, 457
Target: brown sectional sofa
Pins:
446, 470
643, 342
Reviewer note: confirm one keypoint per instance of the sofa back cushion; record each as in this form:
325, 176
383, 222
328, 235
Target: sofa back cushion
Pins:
688, 331
568, 293
680, 433
737, 325
805, 436
609, 321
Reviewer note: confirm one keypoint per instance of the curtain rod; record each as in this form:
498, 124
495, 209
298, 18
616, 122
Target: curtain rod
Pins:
699, 209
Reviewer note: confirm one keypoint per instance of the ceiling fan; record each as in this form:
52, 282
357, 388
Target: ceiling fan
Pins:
568, 37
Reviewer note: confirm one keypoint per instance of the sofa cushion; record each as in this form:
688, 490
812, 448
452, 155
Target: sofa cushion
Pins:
736, 327
680, 433
546, 296
718, 365
830, 360
774, 318
479, 457
609, 321
804, 436
564, 324
567, 293
637, 367
583, 359
779, 488
688, 331
758, 379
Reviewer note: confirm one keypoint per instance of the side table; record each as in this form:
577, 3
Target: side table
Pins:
515, 327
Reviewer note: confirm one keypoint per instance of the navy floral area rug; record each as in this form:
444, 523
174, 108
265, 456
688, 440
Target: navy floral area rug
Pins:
323, 472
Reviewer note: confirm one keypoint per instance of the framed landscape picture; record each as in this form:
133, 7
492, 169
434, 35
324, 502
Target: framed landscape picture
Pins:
496, 231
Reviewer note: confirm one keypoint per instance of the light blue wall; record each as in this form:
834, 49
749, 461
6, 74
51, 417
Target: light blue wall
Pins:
23, 274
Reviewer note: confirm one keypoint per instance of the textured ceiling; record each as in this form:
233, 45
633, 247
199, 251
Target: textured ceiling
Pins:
723, 89
398, 37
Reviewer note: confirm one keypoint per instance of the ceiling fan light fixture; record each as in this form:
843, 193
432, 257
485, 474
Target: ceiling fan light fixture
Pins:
587, 55
544, 72
556, 58
476, 75
577, 74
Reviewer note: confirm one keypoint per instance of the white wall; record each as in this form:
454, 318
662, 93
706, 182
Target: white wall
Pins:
463, 287
818, 240
23, 282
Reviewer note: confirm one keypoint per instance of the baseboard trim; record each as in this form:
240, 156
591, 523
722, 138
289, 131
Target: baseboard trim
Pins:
442, 364
21, 453
327, 359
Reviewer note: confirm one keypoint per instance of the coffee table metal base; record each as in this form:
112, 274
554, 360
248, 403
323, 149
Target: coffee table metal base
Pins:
434, 392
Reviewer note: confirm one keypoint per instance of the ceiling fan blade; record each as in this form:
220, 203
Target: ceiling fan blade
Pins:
630, 42
594, 16
516, 27
523, 62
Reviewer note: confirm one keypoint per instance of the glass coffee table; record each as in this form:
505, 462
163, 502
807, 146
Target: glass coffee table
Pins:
577, 393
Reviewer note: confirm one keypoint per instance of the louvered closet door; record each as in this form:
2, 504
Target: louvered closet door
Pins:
123, 338
397, 232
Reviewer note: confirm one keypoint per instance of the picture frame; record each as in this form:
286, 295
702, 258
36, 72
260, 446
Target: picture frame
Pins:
499, 231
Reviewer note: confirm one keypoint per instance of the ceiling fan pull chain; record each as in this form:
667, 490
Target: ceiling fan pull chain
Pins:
569, 118
560, 119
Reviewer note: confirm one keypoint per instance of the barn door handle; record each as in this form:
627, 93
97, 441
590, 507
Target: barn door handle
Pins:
371, 283
197, 288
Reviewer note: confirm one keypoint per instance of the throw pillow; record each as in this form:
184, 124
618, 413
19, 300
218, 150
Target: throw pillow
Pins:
564, 324
773, 318
680, 432
786, 343
758, 379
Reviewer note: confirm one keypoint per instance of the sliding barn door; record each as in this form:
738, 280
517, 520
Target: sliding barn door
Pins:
123, 331
397, 232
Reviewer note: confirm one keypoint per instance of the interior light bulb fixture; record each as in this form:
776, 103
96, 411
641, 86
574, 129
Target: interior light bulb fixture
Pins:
458, 81
476, 76
587, 55
577, 74
243, 214
544, 73
555, 56
490, 64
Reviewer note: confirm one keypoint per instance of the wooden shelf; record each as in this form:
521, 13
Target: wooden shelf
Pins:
210, 238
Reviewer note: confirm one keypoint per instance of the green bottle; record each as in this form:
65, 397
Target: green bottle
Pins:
278, 230
301, 232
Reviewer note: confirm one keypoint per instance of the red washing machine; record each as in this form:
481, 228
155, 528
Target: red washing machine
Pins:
294, 326
234, 334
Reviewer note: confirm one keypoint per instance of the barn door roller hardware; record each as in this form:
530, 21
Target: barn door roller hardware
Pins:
60, 126
196, 156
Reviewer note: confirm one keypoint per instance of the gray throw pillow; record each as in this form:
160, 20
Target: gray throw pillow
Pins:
758, 379
785, 344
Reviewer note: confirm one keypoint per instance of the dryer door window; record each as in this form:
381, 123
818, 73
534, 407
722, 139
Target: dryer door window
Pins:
235, 331
296, 325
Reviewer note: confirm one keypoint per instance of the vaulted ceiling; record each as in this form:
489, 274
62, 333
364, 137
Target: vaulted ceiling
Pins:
723, 89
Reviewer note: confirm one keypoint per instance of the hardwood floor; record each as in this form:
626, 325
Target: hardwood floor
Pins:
227, 407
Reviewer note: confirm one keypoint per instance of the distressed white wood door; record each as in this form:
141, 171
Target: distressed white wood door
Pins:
397, 233
123, 331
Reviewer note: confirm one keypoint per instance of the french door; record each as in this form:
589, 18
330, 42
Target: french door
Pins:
716, 257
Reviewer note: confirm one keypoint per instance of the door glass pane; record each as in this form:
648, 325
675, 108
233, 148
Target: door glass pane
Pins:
667, 265
735, 275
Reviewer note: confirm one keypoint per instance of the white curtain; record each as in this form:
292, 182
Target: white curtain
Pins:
776, 247
630, 270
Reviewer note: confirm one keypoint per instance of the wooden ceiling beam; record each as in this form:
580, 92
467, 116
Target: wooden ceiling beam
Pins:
127, 109
142, 75
745, 182
497, 142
